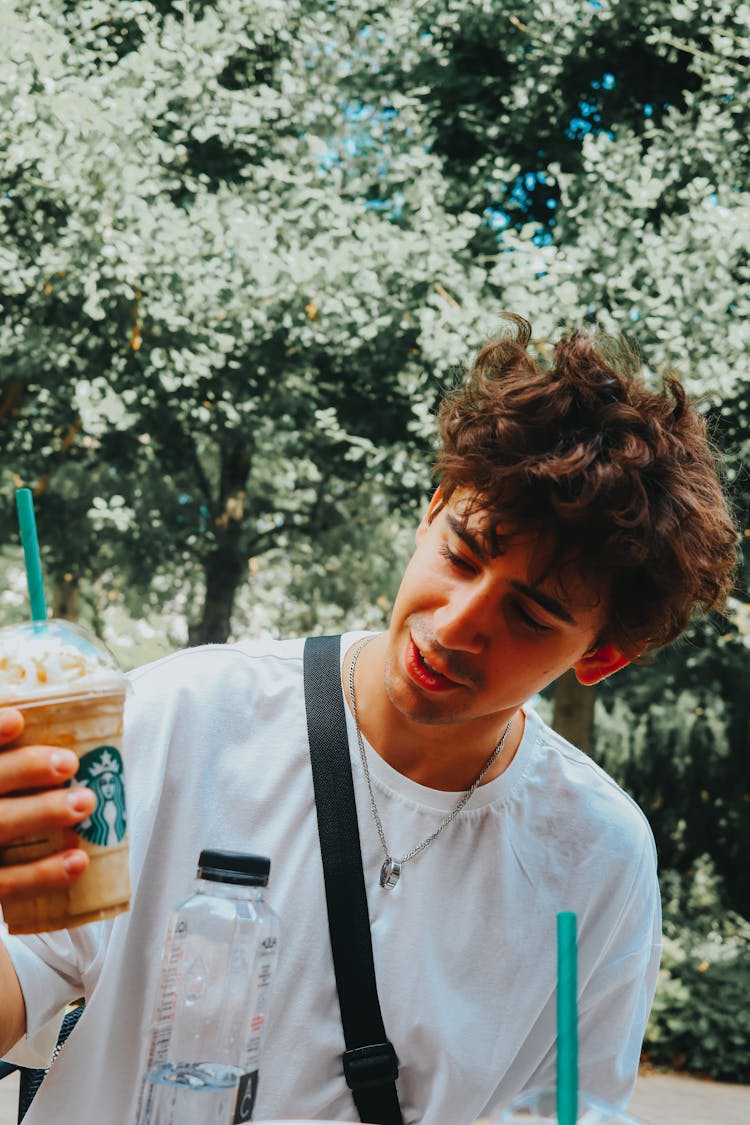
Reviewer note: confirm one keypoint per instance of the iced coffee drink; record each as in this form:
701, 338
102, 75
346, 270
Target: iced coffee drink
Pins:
71, 694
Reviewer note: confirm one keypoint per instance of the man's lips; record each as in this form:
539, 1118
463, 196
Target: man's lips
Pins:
425, 674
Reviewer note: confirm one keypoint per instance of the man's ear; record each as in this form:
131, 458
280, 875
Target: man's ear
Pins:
598, 664
433, 508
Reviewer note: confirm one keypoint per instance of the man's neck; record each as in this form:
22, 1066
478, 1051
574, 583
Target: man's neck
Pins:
446, 756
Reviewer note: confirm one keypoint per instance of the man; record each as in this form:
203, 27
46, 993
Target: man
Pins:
579, 521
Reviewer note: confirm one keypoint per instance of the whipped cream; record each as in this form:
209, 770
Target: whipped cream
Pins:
52, 658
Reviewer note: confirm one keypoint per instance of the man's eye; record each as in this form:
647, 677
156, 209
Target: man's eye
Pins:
530, 621
456, 560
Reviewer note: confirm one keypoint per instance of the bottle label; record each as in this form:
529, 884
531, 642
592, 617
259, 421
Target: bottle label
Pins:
171, 985
246, 1092
266, 953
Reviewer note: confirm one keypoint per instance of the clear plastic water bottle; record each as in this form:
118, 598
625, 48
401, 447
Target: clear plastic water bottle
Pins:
211, 1010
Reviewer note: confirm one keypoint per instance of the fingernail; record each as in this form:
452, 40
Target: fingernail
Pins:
79, 800
62, 760
74, 863
8, 724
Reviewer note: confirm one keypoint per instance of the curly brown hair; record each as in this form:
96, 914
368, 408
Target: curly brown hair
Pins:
621, 479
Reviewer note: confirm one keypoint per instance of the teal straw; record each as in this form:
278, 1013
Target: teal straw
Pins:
31, 558
567, 1019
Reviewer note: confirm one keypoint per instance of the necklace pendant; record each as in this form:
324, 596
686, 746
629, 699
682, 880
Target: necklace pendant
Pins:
390, 873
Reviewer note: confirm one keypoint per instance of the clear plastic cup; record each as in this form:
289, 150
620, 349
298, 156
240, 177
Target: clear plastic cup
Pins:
538, 1107
71, 693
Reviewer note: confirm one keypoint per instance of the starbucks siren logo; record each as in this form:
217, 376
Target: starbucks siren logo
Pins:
101, 771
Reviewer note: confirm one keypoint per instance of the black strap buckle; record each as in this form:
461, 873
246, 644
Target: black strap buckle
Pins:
370, 1066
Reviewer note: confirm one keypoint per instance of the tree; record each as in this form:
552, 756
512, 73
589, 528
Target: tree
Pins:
207, 340
306, 193
605, 150
677, 739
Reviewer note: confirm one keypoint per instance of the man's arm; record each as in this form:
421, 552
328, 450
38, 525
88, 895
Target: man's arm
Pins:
13, 1023
38, 774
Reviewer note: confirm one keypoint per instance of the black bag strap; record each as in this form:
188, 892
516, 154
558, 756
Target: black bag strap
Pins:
370, 1062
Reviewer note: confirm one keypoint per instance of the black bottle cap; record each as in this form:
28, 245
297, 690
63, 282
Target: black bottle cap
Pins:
234, 867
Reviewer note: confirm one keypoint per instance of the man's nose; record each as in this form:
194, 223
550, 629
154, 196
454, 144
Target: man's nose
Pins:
462, 622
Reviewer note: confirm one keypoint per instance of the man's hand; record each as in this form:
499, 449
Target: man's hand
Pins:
32, 801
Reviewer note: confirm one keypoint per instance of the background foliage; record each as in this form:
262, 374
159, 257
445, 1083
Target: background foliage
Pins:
244, 246
700, 1020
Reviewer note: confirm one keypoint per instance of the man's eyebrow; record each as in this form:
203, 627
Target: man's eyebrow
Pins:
472, 541
478, 547
552, 605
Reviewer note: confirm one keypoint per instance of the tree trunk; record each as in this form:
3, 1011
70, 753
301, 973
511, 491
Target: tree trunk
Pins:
66, 601
574, 711
225, 566
223, 570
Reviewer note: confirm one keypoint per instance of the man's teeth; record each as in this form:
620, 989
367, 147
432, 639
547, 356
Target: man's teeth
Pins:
429, 667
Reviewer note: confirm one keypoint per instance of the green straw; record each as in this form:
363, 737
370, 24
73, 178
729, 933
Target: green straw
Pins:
27, 524
567, 1019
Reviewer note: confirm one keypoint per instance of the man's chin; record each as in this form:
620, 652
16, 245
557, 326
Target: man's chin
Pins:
405, 699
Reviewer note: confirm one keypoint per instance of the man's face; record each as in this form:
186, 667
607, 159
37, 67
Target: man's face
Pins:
473, 636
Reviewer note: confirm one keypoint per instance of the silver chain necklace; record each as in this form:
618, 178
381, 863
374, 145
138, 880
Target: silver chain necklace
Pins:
390, 872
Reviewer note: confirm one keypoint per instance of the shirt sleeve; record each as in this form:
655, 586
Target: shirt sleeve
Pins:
616, 990
615, 1004
52, 970
37, 1050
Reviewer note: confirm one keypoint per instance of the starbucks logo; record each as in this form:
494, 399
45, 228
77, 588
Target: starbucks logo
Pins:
101, 771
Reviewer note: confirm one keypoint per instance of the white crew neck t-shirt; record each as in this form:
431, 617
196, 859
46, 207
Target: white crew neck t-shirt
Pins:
464, 946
